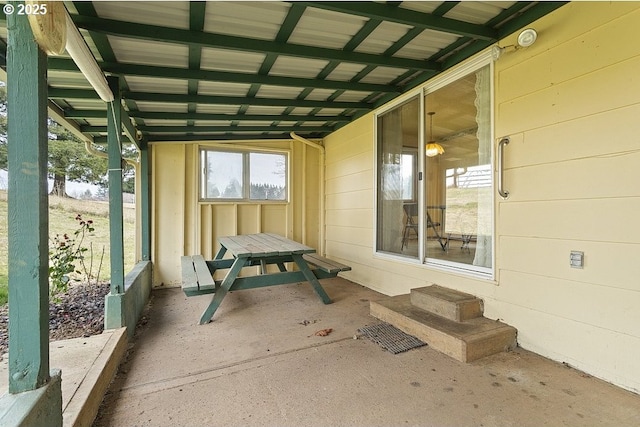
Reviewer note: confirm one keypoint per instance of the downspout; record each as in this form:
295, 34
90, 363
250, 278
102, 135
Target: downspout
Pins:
321, 249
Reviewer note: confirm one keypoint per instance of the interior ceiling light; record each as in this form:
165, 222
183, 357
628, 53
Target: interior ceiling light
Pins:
432, 148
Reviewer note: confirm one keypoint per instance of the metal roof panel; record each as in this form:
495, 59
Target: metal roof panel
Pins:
156, 84
297, 67
228, 60
345, 71
312, 28
383, 37
223, 89
149, 53
257, 109
161, 107
427, 43
258, 20
383, 75
217, 109
268, 91
477, 12
173, 14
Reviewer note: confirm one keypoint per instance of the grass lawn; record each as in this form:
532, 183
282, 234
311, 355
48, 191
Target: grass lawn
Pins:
62, 214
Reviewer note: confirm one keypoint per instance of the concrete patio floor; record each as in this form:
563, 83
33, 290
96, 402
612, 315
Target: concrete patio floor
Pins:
259, 363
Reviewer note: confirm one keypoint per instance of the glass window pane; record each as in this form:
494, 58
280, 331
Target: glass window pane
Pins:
224, 175
459, 182
408, 165
268, 176
397, 222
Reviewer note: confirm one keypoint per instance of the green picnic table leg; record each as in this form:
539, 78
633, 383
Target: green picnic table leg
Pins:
311, 278
222, 290
221, 252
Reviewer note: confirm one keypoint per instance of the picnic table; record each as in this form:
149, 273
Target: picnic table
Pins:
261, 250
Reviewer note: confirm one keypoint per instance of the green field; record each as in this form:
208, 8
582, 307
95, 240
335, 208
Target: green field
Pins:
62, 213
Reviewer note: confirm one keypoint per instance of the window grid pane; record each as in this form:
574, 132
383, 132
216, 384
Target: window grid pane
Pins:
224, 175
244, 176
267, 176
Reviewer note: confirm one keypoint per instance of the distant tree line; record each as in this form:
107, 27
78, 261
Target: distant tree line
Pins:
67, 157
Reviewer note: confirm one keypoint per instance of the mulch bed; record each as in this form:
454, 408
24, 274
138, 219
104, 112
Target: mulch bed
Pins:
78, 313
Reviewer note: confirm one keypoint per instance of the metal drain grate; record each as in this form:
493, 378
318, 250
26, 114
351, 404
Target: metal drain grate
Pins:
390, 338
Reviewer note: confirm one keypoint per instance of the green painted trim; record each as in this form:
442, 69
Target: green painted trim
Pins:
113, 312
145, 203
408, 17
41, 407
535, 12
125, 309
237, 77
28, 216
246, 44
128, 127
159, 115
236, 100
64, 64
116, 223
200, 129
59, 93
444, 8
227, 137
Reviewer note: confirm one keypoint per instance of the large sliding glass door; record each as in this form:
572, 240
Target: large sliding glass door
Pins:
447, 217
459, 197
397, 147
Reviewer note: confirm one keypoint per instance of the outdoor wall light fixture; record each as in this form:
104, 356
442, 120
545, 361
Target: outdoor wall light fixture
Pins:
525, 39
432, 148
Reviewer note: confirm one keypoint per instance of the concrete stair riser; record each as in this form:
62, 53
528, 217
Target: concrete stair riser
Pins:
464, 341
450, 304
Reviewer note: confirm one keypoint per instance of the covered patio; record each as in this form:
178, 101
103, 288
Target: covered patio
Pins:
276, 372
205, 91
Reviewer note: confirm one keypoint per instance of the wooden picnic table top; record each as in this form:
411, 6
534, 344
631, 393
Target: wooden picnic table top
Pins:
262, 245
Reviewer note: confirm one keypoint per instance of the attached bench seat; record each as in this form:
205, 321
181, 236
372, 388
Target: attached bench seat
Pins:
196, 277
197, 274
327, 265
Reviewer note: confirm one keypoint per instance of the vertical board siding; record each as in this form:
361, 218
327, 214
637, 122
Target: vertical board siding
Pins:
168, 174
184, 225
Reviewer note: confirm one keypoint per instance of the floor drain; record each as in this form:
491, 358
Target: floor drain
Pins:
390, 338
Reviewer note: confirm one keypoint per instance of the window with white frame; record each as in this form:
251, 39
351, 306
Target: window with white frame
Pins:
243, 175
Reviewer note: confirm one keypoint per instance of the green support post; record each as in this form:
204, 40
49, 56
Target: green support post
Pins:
114, 151
145, 203
28, 209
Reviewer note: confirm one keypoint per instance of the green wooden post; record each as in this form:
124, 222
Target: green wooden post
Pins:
114, 150
145, 203
28, 209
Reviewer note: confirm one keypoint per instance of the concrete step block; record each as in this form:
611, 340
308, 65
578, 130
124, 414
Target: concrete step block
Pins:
464, 341
448, 303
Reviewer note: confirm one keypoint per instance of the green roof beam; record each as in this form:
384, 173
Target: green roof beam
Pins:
235, 100
63, 64
245, 44
425, 21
